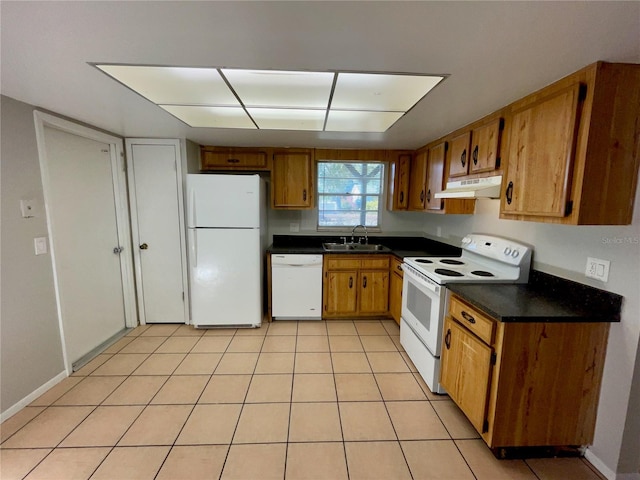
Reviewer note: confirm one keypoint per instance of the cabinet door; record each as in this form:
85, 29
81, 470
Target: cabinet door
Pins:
395, 297
541, 154
417, 181
399, 183
292, 180
435, 175
485, 143
340, 292
374, 292
218, 158
466, 371
459, 160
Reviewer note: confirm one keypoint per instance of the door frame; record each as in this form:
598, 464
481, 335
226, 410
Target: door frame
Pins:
135, 233
116, 153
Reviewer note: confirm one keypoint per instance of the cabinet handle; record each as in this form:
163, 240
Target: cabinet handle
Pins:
463, 157
428, 195
350, 282
468, 317
233, 160
304, 194
364, 282
401, 197
399, 267
509, 193
422, 196
475, 155
447, 339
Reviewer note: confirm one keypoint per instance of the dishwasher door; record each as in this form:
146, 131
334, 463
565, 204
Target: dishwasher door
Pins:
296, 287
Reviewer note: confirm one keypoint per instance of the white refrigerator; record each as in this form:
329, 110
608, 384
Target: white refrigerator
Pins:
225, 230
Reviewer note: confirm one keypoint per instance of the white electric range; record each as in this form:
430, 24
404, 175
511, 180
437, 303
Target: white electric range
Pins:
485, 258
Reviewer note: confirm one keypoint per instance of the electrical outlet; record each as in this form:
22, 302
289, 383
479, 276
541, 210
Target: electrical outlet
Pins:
40, 244
598, 269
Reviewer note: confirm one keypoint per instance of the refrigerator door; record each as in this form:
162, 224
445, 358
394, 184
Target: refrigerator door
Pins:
223, 201
225, 277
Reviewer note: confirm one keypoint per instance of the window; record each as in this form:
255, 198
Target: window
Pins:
349, 193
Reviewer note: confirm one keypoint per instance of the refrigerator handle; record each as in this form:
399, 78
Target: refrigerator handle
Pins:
193, 247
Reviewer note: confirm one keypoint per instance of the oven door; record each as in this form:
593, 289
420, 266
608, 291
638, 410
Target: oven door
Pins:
423, 308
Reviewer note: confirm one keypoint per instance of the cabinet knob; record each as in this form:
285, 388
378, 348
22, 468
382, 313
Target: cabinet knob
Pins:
233, 160
364, 282
447, 339
304, 194
422, 196
463, 157
350, 282
475, 155
429, 195
401, 197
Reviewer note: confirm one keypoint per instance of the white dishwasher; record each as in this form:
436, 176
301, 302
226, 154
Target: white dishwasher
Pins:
296, 287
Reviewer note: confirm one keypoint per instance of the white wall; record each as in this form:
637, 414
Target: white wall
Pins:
31, 348
563, 251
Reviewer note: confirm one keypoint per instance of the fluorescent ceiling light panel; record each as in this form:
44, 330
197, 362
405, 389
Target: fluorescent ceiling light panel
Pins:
281, 89
288, 119
212, 117
174, 85
381, 92
277, 99
353, 121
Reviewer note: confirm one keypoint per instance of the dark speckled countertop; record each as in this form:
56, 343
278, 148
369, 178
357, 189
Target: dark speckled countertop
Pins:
546, 298
399, 246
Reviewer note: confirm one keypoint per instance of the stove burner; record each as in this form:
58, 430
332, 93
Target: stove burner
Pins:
482, 273
423, 260
448, 273
448, 261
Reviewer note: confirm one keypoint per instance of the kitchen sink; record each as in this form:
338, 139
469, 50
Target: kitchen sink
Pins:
354, 247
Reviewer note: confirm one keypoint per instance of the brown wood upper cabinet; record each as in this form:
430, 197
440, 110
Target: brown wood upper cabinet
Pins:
399, 175
292, 180
572, 154
485, 147
435, 175
233, 158
459, 157
418, 181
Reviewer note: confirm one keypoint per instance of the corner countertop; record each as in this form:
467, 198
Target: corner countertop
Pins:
546, 298
398, 246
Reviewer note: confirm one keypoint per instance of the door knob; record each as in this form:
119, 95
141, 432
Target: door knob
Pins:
144, 246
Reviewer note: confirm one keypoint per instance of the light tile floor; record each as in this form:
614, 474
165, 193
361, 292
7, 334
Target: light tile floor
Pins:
291, 400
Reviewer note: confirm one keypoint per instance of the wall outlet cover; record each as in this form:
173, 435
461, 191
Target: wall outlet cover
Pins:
598, 269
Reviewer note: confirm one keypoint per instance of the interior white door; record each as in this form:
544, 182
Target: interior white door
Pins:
156, 211
81, 207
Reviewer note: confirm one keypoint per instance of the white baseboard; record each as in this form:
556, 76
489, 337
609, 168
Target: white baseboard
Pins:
606, 471
11, 411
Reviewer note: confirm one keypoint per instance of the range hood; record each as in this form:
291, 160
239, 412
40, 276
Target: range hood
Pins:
487, 187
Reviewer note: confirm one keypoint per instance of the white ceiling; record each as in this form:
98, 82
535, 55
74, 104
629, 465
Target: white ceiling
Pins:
493, 52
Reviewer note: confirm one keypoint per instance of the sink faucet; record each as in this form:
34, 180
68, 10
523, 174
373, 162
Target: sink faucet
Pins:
366, 235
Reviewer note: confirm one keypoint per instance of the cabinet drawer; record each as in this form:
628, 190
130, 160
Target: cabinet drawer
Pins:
396, 266
228, 158
341, 262
377, 262
480, 324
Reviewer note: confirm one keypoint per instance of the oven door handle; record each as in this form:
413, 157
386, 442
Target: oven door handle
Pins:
419, 280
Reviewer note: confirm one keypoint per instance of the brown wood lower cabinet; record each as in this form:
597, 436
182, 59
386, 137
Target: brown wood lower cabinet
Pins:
355, 286
524, 384
395, 289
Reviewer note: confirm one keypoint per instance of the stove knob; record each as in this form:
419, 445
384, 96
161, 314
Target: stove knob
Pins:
515, 254
507, 251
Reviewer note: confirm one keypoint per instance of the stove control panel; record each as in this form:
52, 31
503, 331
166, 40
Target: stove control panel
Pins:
498, 248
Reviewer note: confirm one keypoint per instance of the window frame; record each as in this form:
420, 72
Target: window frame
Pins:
381, 196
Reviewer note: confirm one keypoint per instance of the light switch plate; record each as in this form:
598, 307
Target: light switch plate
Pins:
598, 269
40, 244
